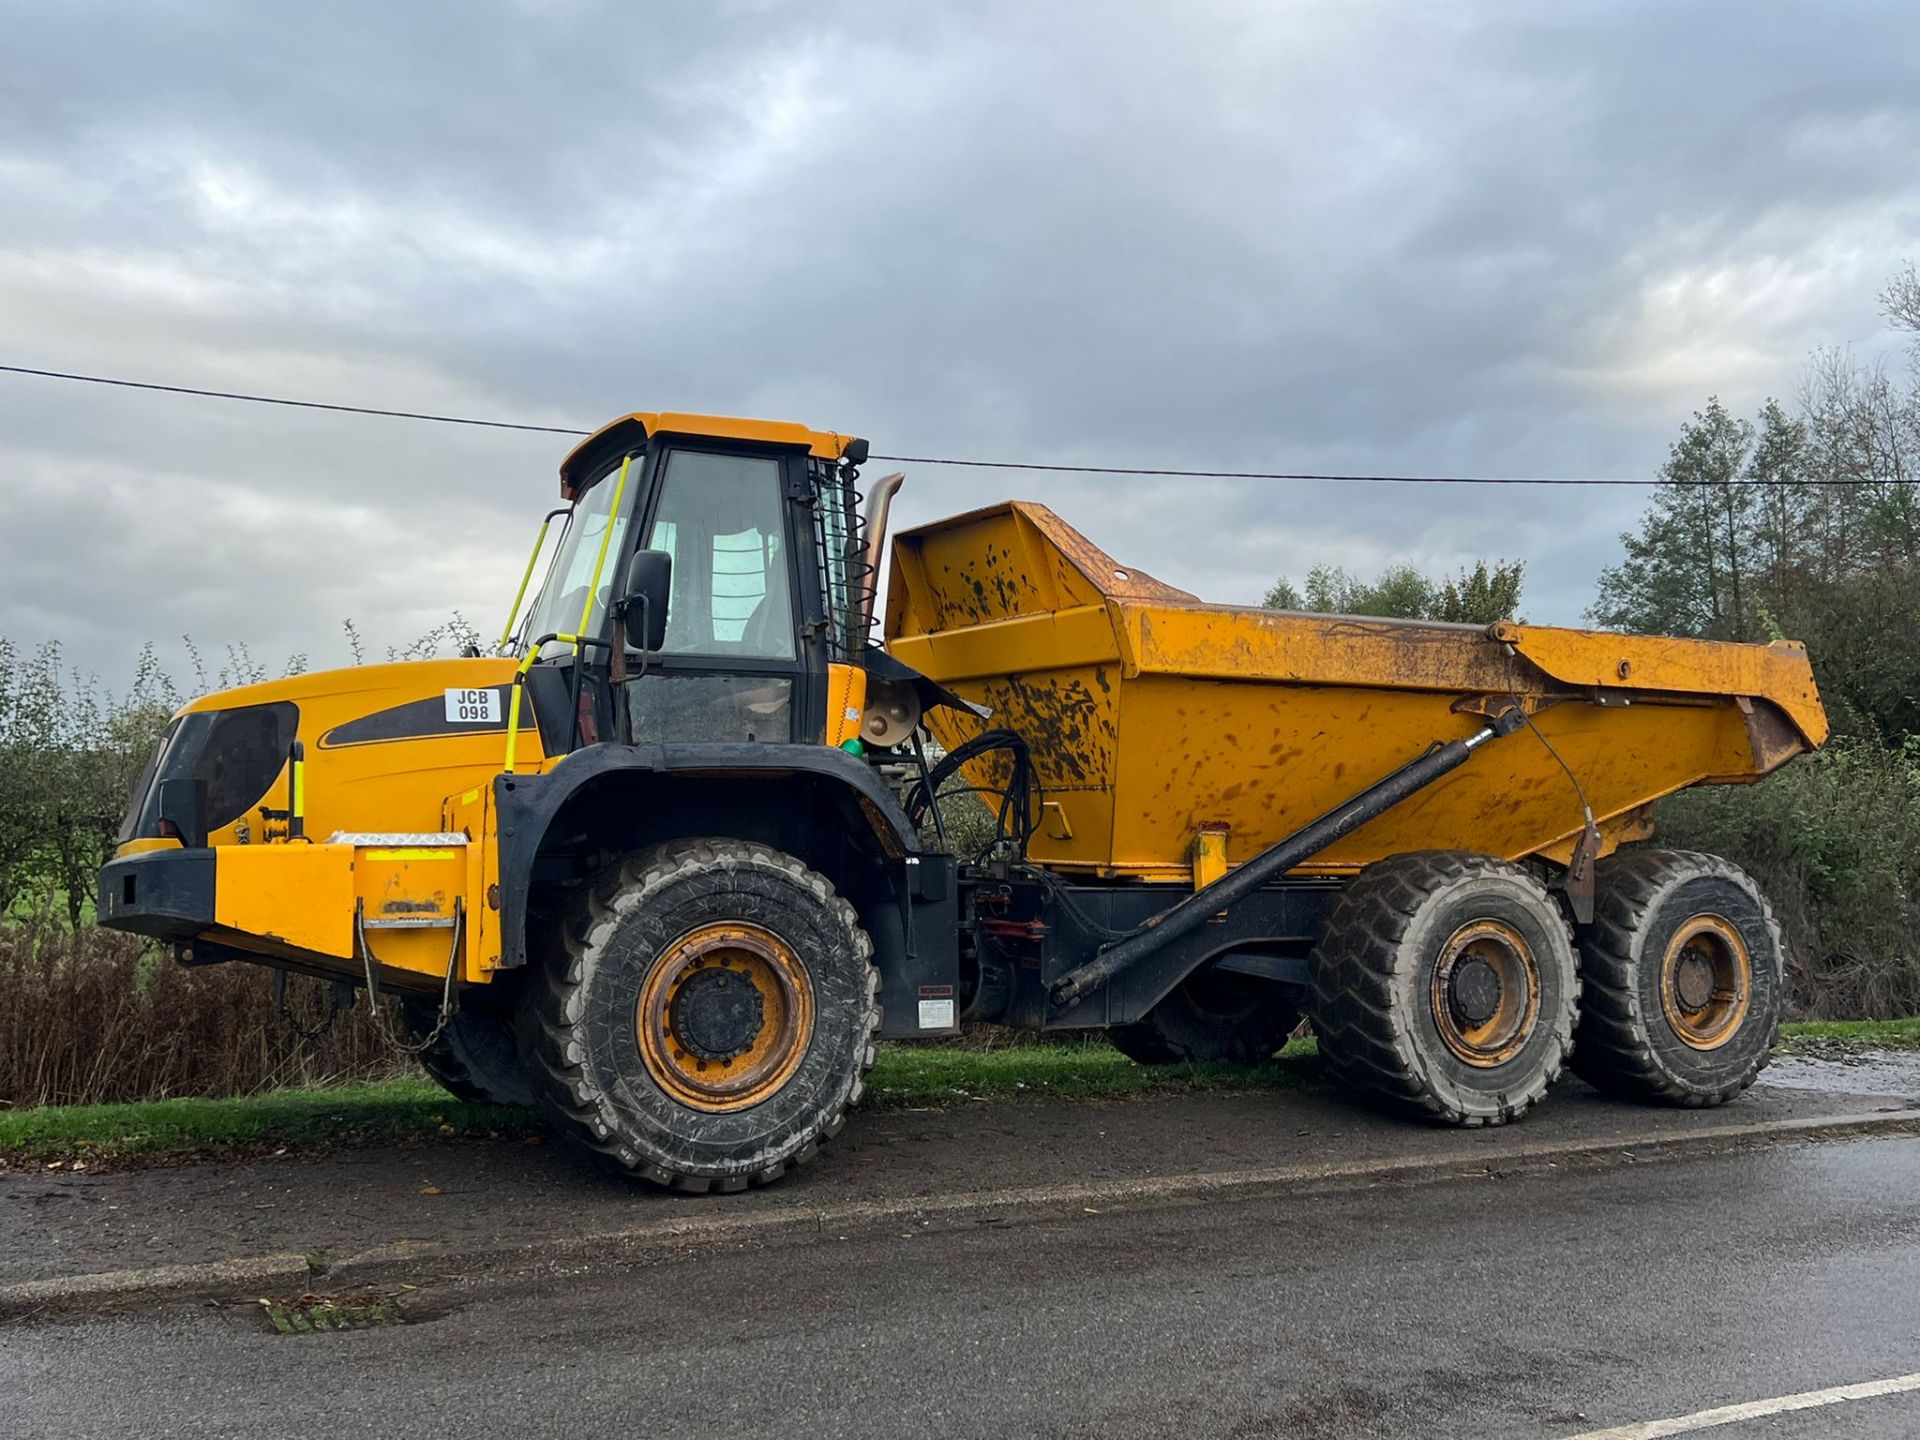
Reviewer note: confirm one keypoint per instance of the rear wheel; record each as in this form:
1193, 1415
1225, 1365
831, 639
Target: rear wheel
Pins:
710, 1018
1682, 966
1213, 1015
474, 1056
1444, 986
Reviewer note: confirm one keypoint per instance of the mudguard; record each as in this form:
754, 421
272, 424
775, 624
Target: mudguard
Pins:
526, 805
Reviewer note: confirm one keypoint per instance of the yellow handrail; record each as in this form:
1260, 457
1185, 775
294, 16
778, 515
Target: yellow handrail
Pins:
600, 560
539, 543
519, 686
576, 640
297, 786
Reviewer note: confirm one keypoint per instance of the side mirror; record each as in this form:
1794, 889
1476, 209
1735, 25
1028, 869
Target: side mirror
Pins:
643, 600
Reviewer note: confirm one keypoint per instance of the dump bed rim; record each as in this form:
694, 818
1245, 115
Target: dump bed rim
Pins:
1589, 660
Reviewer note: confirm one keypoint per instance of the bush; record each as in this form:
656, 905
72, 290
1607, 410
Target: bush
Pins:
1834, 841
69, 754
91, 1016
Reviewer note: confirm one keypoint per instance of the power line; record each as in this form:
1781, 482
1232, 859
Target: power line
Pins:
1145, 470
282, 400
1255, 474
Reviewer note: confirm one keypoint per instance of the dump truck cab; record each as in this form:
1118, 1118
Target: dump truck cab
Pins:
380, 824
699, 659
671, 859
742, 533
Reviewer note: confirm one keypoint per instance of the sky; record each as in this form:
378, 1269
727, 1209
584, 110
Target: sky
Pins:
1479, 238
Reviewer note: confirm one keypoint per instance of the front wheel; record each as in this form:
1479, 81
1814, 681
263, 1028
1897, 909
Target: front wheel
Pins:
473, 1057
710, 1017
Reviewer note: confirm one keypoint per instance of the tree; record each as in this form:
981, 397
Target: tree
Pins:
1783, 508
1802, 526
69, 755
1900, 301
1479, 596
1283, 596
1689, 568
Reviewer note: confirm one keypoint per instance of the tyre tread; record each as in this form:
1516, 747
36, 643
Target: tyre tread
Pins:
1614, 1053
1363, 1039
455, 1067
554, 1056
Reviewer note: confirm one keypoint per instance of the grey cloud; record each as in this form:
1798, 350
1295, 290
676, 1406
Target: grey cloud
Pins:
1482, 237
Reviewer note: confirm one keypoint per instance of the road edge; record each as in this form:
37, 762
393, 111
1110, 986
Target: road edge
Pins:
421, 1261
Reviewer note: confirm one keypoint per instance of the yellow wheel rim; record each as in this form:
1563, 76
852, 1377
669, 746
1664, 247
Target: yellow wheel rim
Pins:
1706, 981
725, 1016
1486, 993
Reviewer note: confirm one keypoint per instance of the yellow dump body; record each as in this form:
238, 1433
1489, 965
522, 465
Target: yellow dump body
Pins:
1153, 717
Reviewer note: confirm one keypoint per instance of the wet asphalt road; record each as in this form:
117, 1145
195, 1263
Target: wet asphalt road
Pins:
1545, 1304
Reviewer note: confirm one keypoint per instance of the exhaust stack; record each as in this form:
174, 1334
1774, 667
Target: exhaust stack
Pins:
875, 521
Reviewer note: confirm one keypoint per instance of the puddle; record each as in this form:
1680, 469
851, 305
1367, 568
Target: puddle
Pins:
1871, 1072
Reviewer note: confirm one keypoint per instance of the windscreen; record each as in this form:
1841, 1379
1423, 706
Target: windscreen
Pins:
557, 611
238, 753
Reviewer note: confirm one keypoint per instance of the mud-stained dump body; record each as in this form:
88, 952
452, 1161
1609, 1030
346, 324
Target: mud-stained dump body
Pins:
1152, 716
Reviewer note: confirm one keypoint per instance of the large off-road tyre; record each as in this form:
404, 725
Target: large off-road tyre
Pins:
1682, 966
1213, 1015
1444, 986
474, 1057
709, 1018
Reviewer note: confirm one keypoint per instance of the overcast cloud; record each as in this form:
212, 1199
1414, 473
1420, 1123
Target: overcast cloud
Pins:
1463, 237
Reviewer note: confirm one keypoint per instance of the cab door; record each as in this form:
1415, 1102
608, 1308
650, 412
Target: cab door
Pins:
744, 658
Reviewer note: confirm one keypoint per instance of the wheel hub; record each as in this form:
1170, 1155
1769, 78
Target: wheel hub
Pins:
1693, 981
1474, 991
1706, 981
725, 1016
717, 1014
1486, 993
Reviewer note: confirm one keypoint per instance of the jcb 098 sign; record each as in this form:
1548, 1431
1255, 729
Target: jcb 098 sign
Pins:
473, 707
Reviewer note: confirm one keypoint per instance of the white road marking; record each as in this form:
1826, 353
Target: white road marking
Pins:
1754, 1410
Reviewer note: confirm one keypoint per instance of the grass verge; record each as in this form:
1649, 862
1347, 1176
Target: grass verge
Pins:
1818, 1036
910, 1075
409, 1109
906, 1076
356, 1114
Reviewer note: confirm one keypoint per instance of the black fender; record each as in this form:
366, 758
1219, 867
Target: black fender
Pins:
526, 806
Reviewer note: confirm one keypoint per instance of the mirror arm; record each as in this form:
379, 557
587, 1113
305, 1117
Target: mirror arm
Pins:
617, 655
617, 660
646, 656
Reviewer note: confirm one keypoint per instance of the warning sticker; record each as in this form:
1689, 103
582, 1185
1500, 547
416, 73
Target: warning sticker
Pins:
473, 707
936, 1014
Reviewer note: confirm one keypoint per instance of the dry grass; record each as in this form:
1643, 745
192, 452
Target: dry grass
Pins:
94, 1017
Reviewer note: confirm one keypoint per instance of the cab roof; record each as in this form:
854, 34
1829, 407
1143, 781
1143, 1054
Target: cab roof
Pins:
635, 429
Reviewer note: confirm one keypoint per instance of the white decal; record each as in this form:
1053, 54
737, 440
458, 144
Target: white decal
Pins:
936, 1014
473, 707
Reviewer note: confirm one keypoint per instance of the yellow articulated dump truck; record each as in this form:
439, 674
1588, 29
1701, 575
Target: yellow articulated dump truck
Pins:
670, 861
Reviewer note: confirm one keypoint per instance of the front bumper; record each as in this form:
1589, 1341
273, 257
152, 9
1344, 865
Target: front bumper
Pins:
306, 907
168, 894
